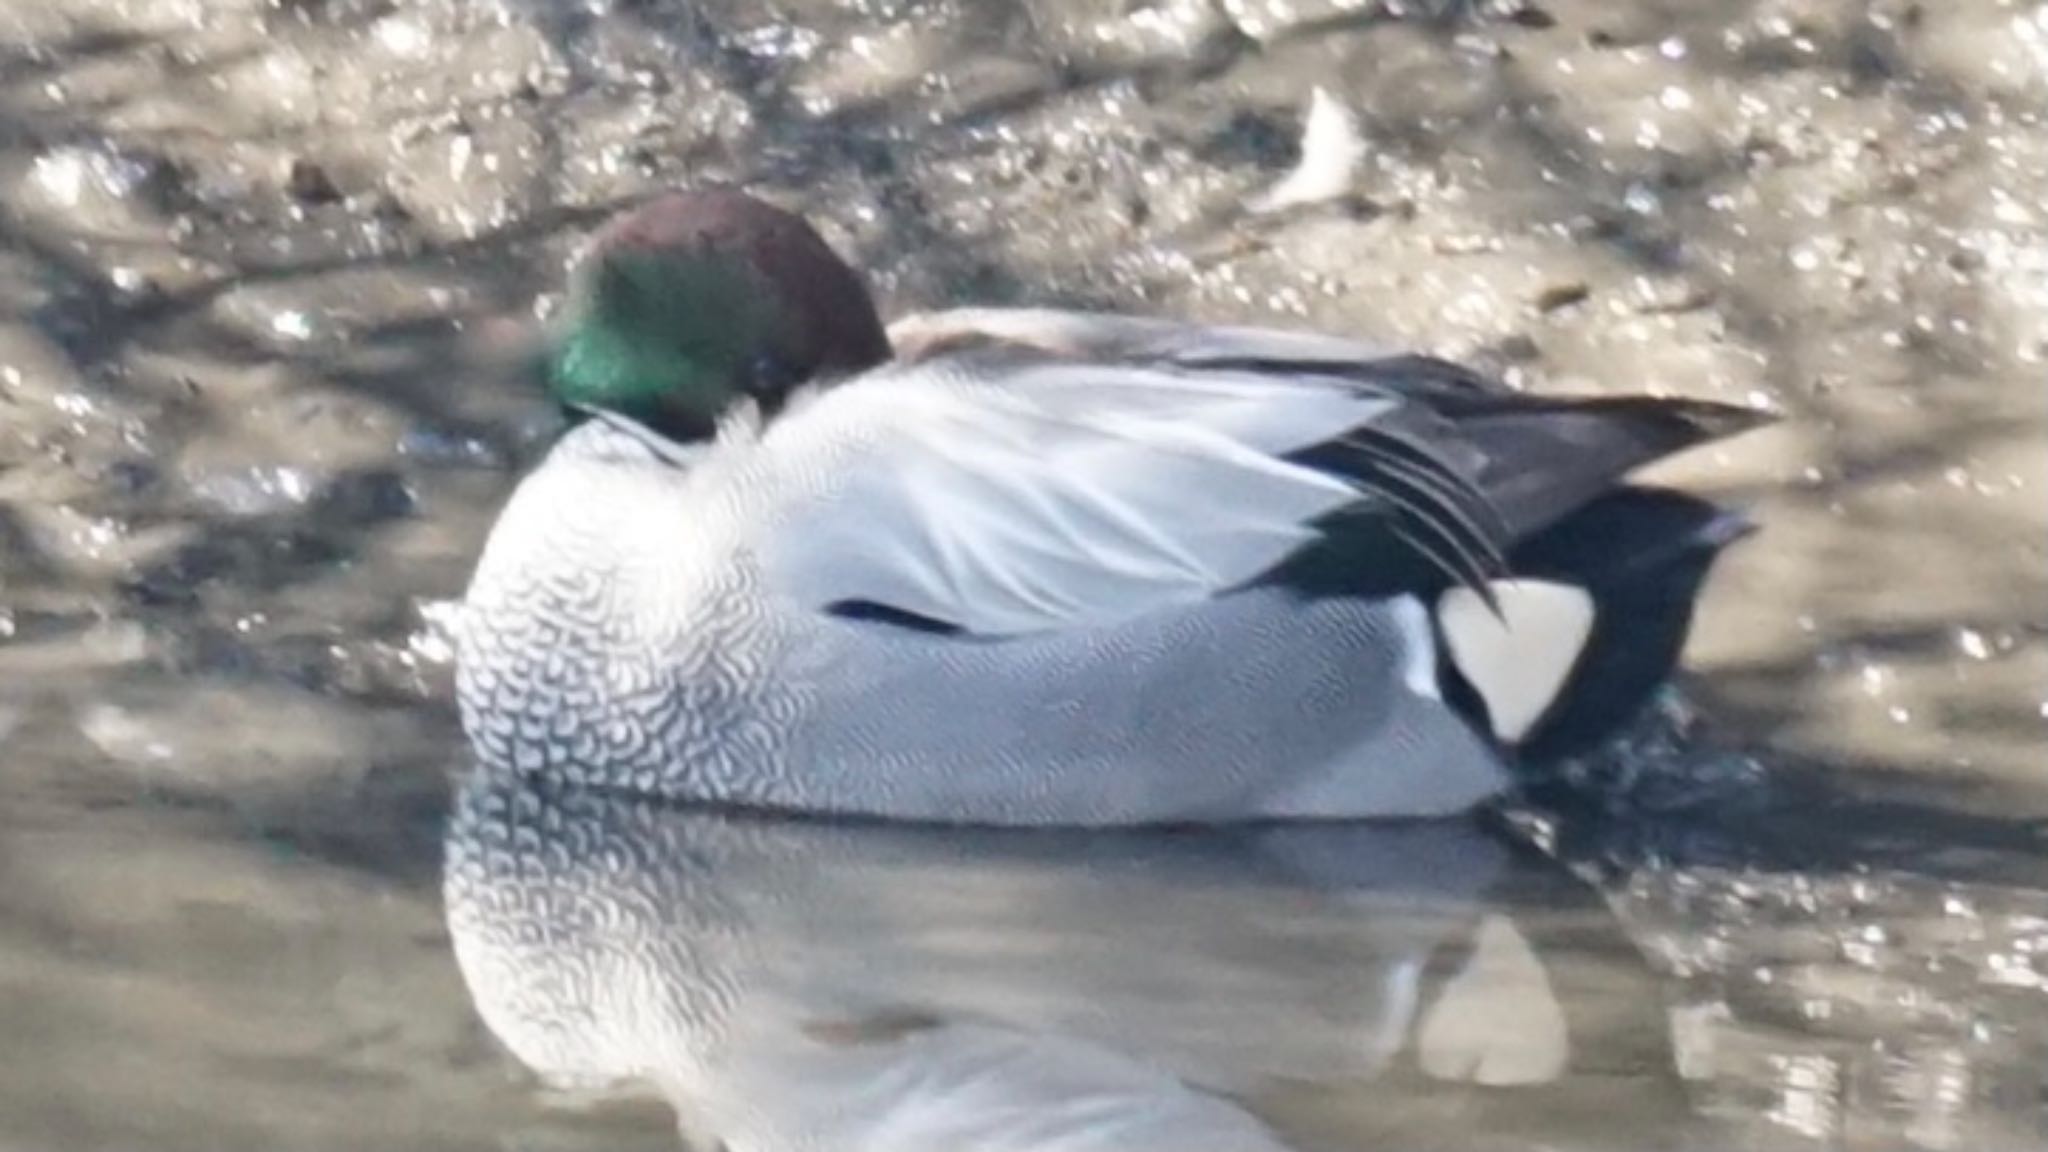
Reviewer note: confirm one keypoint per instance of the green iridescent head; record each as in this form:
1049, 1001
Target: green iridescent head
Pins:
698, 299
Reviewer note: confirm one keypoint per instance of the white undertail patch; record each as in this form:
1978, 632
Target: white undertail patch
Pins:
1518, 661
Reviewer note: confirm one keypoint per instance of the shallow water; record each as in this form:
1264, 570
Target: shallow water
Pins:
263, 264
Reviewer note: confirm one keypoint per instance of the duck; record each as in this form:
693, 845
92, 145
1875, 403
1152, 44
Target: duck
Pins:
1048, 567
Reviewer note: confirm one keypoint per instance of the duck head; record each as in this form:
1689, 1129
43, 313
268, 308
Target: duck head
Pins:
700, 298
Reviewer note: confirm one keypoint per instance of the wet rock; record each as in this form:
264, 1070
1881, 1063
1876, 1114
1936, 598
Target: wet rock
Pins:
1562, 295
1466, 244
469, 180
450, 448
237, 740
1519, 348
1250, 137
329, 12
130, 477
43, 644
36, 364
1266, 21
1966, 261
1528, 16
108, 183
86, 541
1656, 295
366, 497
255, 490
987, 83
1182, 36
309, 183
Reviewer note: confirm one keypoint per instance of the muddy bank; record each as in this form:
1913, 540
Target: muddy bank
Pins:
253, 251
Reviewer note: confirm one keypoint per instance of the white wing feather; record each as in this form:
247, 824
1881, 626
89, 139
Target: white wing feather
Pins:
1067, 495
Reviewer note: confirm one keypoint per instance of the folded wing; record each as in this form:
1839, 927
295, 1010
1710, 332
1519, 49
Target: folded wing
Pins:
1079, 494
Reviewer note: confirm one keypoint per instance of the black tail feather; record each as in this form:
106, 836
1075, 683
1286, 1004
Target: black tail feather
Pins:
1547, 457
1643, 553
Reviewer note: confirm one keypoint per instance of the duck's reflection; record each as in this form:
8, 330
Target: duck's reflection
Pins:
799, 985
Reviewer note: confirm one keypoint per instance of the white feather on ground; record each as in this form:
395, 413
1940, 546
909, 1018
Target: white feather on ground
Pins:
1331, 150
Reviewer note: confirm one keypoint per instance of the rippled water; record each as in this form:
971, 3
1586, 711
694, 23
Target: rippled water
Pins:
267, 266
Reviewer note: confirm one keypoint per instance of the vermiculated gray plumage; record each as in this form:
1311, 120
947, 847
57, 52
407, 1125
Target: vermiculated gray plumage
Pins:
1099, 546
